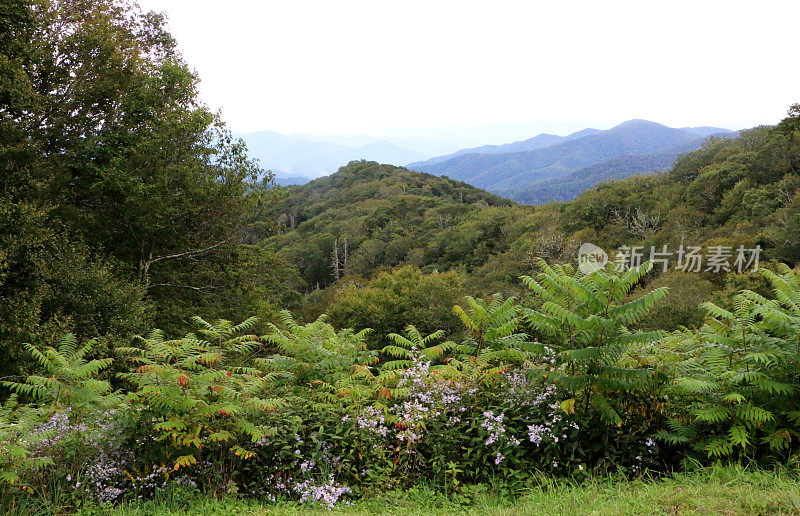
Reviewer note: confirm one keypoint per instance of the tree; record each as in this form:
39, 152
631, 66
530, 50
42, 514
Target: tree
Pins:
584, 319
392, 298
50, 279
115, 180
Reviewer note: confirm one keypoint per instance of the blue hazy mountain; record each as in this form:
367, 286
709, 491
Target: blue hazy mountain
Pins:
537, 142
573, 184
547, 167
296, 157
284, 179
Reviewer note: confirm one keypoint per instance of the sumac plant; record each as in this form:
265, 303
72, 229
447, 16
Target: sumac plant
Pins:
586, 320
739, 379
199, 392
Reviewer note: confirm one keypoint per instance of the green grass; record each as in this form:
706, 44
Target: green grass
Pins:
728, 491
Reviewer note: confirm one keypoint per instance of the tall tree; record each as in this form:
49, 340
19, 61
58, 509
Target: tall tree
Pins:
115, 178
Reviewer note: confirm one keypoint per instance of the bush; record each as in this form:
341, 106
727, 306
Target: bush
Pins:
559, 385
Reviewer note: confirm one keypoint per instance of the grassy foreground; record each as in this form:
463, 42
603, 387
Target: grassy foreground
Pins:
728, 491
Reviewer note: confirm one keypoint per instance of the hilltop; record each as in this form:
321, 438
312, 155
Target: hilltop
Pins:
383, 213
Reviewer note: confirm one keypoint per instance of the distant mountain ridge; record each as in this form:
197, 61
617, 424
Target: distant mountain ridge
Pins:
537, 142
547, 167
297, 159
284, 179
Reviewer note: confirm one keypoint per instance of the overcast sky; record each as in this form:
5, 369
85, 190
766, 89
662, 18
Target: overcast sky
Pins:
400, 68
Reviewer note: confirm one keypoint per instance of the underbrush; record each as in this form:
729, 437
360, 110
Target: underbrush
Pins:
308, 413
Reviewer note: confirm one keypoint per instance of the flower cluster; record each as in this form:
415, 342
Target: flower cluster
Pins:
520, 390
537, 432
162, 478
372, 420
494, 425
411, 414
429, 397
554, 428
327, 493
147, 485
105, 479
498, 434
58, 427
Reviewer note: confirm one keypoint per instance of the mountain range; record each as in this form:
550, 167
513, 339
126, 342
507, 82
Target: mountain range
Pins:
557, 168
537, 170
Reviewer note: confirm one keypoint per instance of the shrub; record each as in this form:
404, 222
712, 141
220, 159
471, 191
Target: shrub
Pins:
560, 384
740, 376
200, 392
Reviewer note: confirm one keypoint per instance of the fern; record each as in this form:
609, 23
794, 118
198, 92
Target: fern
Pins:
67, 378
406, 346
740, 377
203, 388
584, 319
19, 435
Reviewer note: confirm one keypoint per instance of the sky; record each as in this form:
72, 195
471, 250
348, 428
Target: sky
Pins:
488, 71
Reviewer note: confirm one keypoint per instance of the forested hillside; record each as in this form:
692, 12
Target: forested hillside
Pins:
732, 192
378, 215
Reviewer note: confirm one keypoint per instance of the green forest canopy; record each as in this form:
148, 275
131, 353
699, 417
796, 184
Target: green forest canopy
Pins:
127, 205
732, 192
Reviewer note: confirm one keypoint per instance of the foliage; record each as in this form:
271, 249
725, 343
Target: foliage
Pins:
122, 197
199, 391
584, 319
405, 348
392, 298
316, 354
309, 412
494, 341
67, 378
491, 324
65, 425
740, 377
17, 435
